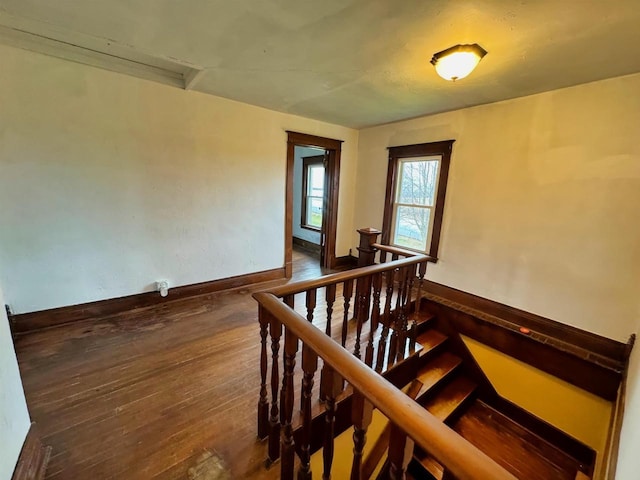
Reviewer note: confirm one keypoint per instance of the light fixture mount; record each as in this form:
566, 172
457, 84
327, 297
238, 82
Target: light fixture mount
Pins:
458, 61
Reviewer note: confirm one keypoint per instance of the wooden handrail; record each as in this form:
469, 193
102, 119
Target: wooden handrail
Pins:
399, 251
335, 278
458, 456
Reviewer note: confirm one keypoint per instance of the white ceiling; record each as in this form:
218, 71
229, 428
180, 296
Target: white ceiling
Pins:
361, 62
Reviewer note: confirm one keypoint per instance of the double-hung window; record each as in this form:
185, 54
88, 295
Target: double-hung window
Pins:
312, 192
416, 187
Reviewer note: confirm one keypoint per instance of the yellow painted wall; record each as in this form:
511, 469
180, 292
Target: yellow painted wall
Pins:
579, 413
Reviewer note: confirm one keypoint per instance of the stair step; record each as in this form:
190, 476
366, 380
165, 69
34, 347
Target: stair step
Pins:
443, 405
422, 318
430, 340
436, 370
432, 466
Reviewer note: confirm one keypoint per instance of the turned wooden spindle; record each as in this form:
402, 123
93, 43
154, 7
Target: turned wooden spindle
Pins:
361, 415
363, 291
333, 387
309, 367
263, 402
274, 419
310, 303
375, 318
330, 295
422, 270
287, 460
400, 453
290, 301
401, 303
347, 291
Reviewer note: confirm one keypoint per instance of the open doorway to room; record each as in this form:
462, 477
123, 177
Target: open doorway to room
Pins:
313, 168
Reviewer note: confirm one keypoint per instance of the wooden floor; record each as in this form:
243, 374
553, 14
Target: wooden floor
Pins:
152, 393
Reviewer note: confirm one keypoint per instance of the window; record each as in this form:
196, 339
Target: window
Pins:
416, 187
312, 192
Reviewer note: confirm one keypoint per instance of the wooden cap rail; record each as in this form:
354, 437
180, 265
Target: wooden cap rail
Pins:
398, 251
459, 456
299, 287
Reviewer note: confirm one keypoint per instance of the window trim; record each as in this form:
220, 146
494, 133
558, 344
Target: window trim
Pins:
306, 163
396, 154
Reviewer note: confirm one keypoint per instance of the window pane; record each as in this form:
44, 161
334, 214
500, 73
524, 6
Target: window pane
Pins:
314, 212
316, 180
418, 182
412, 227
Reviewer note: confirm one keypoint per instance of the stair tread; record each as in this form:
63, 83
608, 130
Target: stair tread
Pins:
436, 370
430, 340
432, 466
421, 317
443, 405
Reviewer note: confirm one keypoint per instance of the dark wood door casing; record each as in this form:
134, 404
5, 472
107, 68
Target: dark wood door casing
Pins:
333, 148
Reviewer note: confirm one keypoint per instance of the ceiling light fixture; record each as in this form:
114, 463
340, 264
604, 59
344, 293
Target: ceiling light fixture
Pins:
458, 61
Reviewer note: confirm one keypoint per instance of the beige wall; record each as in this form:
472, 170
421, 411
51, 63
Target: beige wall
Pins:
543, 201
14, 417
628, 458
110, 183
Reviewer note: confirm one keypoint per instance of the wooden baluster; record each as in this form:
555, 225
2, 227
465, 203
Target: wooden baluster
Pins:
401, 310
400, 453
375, 318
422, 270
364, 294
330, 295
309, 367
386, 321
287, 444
413, 328
361, 414
395, 322
274, 419
311, 307
347, 292
332, 386
290, 301
263, 402
311, 304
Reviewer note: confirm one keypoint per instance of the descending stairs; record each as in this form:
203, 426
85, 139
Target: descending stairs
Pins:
456, 392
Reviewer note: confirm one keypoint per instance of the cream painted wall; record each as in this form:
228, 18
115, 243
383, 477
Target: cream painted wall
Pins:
110, 183
542, 203
628, 458
14, 417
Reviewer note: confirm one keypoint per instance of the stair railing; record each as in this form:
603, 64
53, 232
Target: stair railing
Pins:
384, 297
370, 390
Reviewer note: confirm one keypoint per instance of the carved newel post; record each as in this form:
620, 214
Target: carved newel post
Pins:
366, 256
366, 250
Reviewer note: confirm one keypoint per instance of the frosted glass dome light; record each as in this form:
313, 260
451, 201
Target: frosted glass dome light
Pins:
458, 61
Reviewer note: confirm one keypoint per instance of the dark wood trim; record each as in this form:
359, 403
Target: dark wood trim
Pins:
306, 245
596, 344
306, 162
33, 459
547, 346
330, 221
348, 261
442, 148
27, 322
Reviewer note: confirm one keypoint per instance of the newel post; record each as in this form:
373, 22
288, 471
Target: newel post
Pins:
366, 250
366, 257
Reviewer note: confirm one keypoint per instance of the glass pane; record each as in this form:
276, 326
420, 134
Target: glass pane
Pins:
412, 227
314, 212
418, 182
316, 180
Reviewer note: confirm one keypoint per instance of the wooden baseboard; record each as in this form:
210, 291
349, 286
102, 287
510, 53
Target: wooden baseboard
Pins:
34, 457
348, 261
307, 246
28, 322
589, 361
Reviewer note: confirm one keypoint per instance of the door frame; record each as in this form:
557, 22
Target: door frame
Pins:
330, 216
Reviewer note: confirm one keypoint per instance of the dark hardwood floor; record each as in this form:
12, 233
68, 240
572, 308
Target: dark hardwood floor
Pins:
152, 393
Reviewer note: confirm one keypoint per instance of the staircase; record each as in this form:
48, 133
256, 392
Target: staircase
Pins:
457, 393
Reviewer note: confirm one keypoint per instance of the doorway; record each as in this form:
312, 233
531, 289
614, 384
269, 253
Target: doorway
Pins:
313, 172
